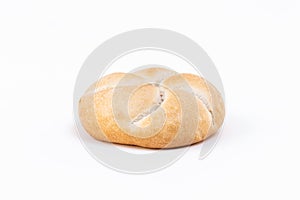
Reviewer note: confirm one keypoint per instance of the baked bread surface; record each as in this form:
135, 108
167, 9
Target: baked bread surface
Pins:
153, 108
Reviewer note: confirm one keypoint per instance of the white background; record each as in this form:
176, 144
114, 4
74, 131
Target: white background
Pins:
255, 45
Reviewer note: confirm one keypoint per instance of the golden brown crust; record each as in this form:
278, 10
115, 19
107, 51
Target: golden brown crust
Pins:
160, 112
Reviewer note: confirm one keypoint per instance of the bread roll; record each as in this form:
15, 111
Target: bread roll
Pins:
153, 108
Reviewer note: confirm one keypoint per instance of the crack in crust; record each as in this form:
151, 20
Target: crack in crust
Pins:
206, 104
155, 107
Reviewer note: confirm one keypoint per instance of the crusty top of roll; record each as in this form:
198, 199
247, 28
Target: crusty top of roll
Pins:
153, 107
